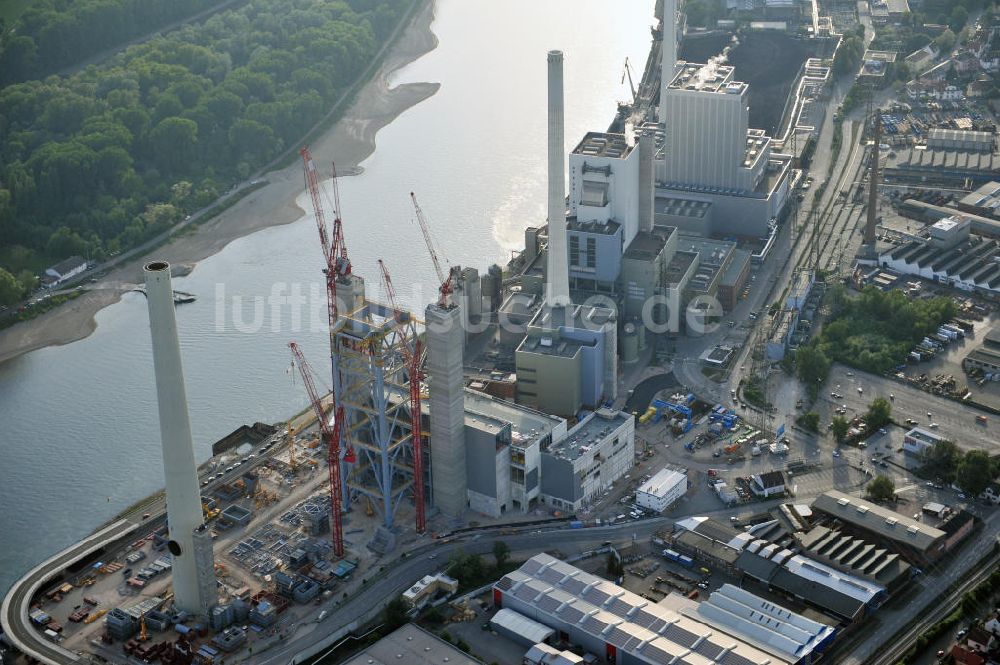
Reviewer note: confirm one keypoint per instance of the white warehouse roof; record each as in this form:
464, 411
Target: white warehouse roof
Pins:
649, 632
762, 623
663, 482
521, 625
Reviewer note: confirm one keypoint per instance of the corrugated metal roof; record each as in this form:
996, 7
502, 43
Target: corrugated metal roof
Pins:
650, 632
521, 625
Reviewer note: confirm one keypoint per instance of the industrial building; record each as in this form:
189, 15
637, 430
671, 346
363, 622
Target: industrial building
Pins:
917, 440
596, 452
950, 254
767, 626
611, 622
662, 490
917, 541
519, 628
412, 645
568, 360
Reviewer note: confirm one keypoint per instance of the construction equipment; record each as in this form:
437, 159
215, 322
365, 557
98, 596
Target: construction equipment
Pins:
291, 447
665, 407
628, 73
332, 436
143, 634
414, 363
337, 270
447, 280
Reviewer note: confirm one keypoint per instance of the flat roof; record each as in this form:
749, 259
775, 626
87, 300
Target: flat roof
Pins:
592, 430
649, 632
646, 246
608, 228
412, 644
882, 521
923, 435
662, 481
681, 207
706, 78
679, 266
601, 144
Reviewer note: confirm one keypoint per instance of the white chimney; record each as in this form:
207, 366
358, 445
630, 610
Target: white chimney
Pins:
668, 51
557, 277
184, 513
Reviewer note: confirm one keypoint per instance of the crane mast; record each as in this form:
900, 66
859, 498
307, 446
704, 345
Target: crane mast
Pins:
332, 437
412, 358
446, 288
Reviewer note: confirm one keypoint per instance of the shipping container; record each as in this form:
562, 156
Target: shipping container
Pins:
686, 561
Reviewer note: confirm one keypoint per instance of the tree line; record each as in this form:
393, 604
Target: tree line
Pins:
53, 34
99, 161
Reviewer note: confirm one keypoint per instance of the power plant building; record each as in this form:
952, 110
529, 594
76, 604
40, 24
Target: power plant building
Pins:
568, 359
599, 450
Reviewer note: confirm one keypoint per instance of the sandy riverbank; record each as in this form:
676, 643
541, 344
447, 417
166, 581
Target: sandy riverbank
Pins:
350, 141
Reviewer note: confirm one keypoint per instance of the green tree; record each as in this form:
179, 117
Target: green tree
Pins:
395, 613
501, 552
941, 459
10, 290
879, 413
840, 425
959, 17
810, 421
172, 142
881, 488
28, 281
945, 41
973, 474
812, 366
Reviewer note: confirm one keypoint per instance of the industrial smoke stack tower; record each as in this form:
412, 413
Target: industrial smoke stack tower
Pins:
668, 52
557, 277
190, 543
872, 219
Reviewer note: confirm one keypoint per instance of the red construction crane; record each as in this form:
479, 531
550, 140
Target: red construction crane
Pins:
332, 437
446, 288
338, 265
412, 358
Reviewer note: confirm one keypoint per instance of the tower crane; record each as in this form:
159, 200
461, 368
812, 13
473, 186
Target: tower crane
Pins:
412, 358
628, 73
332, 436
337, 269
446, 288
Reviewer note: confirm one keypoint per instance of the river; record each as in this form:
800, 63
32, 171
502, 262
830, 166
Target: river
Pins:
80, 438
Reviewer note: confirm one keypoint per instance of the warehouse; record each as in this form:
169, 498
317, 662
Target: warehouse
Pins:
662, 490
519, 628
613, 623
767, 626
414, 646
917, 541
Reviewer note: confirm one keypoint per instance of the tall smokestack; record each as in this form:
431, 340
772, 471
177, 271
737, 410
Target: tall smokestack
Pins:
873, 186
668, 51
184, 513
557, 279
646, 174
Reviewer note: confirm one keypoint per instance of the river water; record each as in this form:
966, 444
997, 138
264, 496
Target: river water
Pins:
79, 437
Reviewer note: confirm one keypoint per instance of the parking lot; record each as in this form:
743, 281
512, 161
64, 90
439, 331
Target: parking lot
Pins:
954, 420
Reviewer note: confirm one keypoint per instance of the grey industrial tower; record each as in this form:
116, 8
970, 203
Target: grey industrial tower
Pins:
193, 569
447, 408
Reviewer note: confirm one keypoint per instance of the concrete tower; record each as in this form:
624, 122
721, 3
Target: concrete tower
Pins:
192, 590
557, 276
447, 408
668, 50
647, 192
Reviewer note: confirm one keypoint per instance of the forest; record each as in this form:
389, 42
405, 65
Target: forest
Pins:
98, 161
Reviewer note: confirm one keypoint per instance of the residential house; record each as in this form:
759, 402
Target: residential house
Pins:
979, 639
768, 484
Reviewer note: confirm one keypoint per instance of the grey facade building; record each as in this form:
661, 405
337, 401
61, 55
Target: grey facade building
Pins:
599, 450
445, 339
